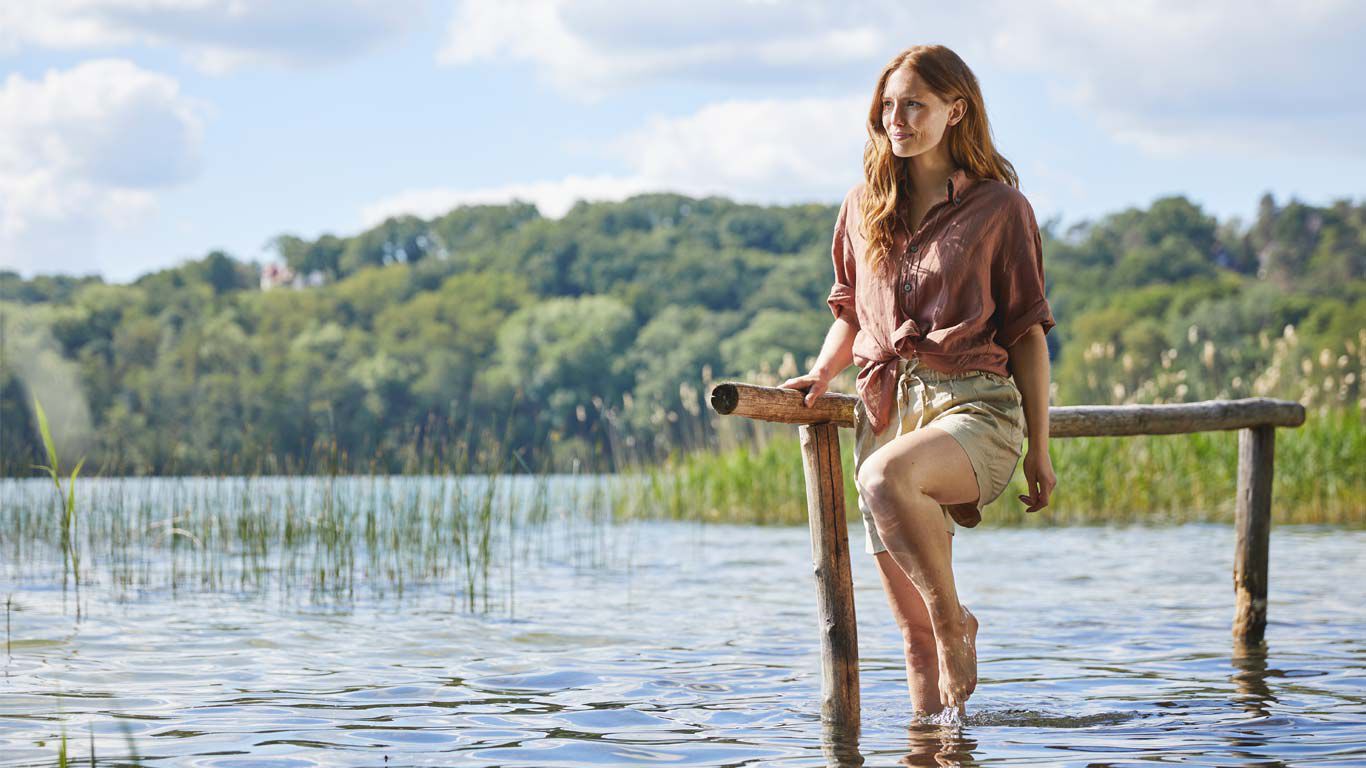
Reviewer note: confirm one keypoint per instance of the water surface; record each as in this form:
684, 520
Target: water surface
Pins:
600, 643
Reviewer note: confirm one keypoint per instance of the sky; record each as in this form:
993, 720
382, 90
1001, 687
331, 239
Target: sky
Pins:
137, 134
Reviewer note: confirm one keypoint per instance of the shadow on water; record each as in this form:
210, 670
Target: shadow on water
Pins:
930, 743
1254, 695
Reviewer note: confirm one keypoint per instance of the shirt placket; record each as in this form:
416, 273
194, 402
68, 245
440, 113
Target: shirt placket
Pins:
915, 244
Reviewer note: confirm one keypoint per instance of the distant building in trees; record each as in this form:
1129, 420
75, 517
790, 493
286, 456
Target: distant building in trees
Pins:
275, 275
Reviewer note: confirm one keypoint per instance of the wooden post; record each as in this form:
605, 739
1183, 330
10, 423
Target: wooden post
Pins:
834, 583
1256, 461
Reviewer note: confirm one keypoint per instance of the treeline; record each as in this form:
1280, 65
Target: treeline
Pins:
587, 342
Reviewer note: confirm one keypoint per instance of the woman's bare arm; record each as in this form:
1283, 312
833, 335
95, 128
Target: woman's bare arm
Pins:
836, 354
1030, 367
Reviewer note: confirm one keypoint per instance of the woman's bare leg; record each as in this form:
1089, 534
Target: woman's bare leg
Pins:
917, 634
904, 482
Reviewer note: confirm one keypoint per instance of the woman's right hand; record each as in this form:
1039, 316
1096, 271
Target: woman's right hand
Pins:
812, 383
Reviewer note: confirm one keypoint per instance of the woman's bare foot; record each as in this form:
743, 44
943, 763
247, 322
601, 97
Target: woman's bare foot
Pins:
970, 634
958, 665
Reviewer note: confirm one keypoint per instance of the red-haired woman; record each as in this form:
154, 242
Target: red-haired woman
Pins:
939, 299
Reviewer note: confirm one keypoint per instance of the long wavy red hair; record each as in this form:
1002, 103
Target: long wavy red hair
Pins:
886, 197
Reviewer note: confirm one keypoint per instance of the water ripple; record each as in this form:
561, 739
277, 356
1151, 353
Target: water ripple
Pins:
1098, 646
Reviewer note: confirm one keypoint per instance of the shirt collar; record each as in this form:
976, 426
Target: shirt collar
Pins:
958, 183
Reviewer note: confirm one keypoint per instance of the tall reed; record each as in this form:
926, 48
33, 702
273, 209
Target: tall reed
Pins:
1146, 478
71, 555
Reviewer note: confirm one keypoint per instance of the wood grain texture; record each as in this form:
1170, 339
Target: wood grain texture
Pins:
752, 401
834, 580
1172, 418
1256, 459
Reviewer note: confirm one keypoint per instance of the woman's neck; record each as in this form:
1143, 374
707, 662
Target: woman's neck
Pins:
930, 171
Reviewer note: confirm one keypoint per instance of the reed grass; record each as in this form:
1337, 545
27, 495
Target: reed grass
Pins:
330, 539
71, 555
1319, 478
734, 470
64, 743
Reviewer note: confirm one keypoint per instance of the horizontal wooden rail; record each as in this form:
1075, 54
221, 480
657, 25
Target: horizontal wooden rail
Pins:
734, 398
785, 405
1256, 418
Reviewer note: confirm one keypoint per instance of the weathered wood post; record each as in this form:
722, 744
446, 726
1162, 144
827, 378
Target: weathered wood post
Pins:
1256, 466
1256, 419
834, 583
819, 434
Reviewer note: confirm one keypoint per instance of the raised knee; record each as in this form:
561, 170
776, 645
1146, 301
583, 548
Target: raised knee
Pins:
868, 479
876, 485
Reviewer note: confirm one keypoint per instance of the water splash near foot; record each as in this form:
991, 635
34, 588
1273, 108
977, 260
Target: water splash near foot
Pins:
952, 717
1021, 718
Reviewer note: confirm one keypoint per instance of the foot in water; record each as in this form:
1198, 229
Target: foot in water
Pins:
958, 665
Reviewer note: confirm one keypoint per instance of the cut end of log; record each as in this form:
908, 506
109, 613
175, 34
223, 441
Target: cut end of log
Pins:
724, 398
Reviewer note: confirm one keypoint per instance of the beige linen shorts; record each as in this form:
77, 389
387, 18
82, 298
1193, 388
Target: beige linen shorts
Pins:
982, 410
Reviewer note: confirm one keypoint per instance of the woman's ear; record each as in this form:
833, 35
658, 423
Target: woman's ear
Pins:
956, 114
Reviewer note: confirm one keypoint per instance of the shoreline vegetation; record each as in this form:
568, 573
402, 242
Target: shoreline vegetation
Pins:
475, 513
471, 528
1148, 479
494, 341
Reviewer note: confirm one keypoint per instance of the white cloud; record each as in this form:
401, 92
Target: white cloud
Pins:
215, 35
590, 48
84, 149
1173, 77
1169, 76
787, 149
768, 150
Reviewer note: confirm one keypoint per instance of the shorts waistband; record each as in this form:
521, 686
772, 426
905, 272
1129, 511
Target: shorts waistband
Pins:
916, 368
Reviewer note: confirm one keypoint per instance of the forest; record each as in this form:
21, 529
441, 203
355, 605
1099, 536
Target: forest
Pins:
588, 343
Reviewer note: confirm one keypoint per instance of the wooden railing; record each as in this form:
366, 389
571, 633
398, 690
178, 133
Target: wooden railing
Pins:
1255, 419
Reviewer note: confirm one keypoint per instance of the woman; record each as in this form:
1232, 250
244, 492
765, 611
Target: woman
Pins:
939, 299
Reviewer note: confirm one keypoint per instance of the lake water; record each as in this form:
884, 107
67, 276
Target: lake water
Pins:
584, 641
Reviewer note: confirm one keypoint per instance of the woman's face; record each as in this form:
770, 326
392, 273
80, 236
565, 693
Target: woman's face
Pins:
914, 116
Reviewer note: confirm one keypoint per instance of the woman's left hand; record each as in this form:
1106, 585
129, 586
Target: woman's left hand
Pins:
1039, 479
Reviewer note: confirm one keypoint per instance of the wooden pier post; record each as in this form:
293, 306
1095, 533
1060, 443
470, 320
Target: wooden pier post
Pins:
834, 582
1256, 462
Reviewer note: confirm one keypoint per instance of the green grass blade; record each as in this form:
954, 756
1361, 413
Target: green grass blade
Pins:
46, 433
71, 488
45, 469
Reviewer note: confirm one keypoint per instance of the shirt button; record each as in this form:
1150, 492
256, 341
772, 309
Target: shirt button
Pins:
906, 287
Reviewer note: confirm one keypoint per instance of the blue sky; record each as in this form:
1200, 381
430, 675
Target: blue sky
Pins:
135, 134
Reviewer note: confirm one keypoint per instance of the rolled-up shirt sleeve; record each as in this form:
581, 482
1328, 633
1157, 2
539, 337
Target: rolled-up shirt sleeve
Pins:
1017, 279
841, 299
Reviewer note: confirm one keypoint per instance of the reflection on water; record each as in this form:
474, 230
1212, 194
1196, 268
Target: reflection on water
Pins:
647, 643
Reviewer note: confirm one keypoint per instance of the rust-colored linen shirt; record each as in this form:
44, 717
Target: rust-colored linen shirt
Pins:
967, 286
